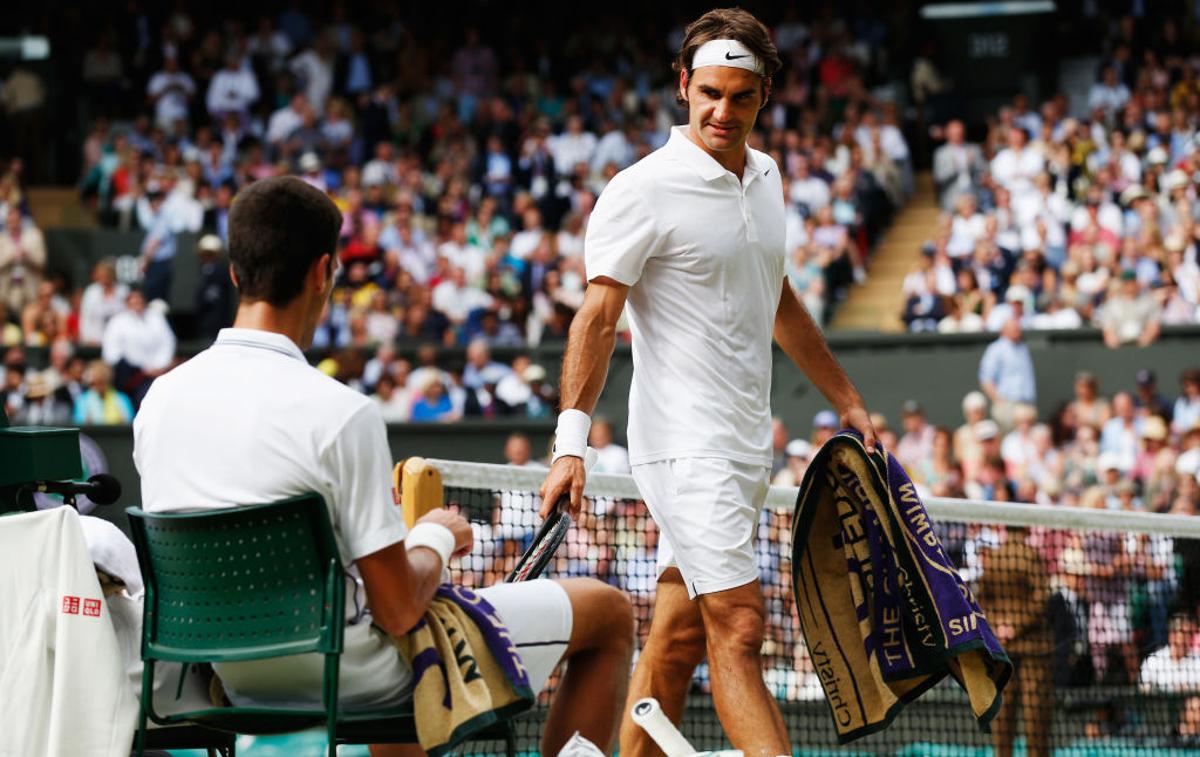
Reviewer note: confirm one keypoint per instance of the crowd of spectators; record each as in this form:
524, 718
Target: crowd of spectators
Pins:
466, 174
1063, 222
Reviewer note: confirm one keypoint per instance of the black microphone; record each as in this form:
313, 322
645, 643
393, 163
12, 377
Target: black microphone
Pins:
101, 488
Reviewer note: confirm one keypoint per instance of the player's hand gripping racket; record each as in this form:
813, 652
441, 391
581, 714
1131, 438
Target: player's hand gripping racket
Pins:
648, 714
549, 536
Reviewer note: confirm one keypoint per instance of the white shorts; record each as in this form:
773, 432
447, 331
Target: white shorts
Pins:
707, 511
373, 674
538, 617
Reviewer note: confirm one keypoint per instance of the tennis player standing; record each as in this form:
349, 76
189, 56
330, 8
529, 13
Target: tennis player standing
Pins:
692, 239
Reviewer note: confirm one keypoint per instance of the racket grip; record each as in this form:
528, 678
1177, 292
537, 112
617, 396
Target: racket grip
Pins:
649, 715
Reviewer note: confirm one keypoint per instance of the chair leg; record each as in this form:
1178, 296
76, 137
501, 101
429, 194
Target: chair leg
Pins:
141, 733
510, 740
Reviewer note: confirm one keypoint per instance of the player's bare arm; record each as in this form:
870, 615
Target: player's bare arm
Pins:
801, 339
401, 582
585, 366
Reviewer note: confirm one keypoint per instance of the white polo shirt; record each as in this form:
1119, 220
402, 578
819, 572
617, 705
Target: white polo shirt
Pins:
249, 421
704, 255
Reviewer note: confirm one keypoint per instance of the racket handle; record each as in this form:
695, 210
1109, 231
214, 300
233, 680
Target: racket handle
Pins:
589, 458
649, 715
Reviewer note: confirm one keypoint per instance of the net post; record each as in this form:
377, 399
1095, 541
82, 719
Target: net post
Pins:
416, 488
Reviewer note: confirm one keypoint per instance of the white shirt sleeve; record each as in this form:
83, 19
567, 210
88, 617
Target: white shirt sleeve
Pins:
621, 234
164, 345
111, 349
359, 468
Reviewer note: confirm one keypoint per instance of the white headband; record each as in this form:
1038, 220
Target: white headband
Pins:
727, 52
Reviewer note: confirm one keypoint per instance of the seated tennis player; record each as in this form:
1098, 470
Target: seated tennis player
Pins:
249, 421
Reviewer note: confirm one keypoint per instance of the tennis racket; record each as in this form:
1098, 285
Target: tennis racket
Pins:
550, 535
648, 714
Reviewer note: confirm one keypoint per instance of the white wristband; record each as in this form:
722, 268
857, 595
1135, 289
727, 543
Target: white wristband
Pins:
432, 536
570, 438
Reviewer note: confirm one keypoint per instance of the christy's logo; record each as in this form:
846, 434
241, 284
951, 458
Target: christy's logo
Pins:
830, 680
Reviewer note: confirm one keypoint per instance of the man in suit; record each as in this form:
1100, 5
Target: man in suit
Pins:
957, 165
214, 295
1013, 590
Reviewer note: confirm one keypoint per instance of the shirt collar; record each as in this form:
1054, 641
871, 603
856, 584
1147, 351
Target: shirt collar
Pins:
259, 339
687, 151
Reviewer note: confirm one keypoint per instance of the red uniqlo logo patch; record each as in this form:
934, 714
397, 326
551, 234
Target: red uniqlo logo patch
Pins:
91, 607
70, 605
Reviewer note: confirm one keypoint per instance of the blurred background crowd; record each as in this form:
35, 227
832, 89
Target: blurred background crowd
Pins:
1063, 222
467, 167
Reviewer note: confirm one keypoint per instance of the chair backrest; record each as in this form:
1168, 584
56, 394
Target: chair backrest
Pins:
240, 583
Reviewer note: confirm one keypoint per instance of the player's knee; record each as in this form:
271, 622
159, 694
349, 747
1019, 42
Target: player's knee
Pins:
740, 631
618, 611
603, 615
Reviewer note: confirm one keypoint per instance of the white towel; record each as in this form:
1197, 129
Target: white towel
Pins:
62, 675
112, 552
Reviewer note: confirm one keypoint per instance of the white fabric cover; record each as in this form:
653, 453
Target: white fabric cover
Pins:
64, 686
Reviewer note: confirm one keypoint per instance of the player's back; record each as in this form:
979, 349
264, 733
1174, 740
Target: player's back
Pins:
245, 421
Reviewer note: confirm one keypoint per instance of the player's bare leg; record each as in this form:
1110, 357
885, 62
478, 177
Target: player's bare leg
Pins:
592, 692
734, 620
664, 669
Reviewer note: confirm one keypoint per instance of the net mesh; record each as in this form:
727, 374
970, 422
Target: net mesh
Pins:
1096, 609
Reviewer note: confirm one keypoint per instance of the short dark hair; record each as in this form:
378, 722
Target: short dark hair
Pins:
727, 23
277, 228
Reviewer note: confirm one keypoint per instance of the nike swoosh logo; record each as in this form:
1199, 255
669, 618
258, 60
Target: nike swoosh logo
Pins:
766, 172
734, 57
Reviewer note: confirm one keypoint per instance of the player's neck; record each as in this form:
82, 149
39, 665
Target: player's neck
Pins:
291, 321
731, 160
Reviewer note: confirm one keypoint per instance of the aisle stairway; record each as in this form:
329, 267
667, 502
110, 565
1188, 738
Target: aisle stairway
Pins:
59, 206
877, 303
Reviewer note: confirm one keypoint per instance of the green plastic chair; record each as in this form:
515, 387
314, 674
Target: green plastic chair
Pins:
251, 583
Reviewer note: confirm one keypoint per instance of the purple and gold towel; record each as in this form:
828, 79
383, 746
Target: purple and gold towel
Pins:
467, 674
884, 612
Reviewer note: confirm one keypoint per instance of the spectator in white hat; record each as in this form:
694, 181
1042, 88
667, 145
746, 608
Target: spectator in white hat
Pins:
214, 291
796, 455
1018, 304
966, 449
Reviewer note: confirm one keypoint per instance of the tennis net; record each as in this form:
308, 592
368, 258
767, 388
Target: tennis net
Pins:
1098, 605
